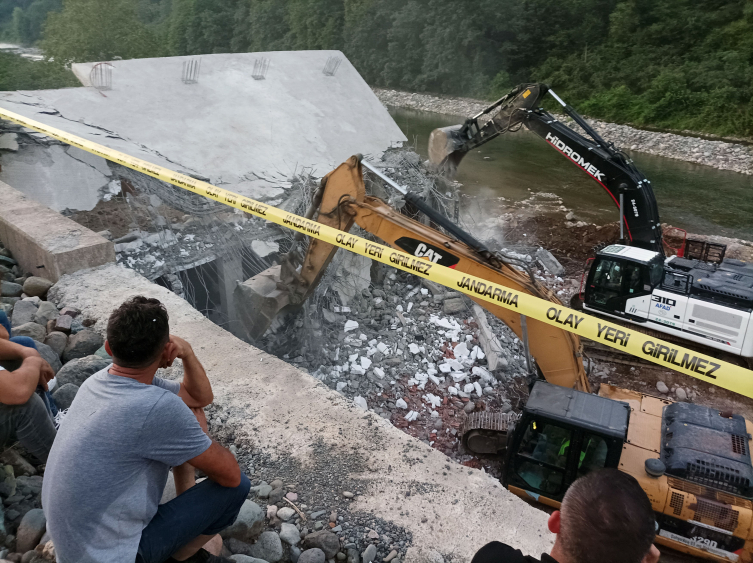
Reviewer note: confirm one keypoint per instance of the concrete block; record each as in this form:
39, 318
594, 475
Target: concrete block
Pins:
44, 242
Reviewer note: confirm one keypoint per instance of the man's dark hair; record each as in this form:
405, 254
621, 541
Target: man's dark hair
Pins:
606, 516
137, 332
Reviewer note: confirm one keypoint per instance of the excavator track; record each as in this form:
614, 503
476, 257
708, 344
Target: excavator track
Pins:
486, 432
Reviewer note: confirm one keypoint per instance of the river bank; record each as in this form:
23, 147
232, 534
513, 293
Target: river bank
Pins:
717, 154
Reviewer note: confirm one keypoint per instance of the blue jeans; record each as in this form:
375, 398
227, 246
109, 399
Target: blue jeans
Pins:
204, 509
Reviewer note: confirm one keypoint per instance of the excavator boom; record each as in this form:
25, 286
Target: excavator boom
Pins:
611, 169
343, 203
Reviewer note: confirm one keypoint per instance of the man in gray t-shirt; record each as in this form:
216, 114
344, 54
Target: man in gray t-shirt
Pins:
124, 431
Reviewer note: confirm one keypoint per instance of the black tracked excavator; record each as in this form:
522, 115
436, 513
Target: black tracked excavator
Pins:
697, 298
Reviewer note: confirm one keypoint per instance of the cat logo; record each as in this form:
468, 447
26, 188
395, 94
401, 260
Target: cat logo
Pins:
427, 251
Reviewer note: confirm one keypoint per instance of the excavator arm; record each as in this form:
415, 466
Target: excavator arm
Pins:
612, 169
341, 203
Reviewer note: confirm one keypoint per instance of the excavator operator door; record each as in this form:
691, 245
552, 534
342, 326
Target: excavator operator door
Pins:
545, 456
619, 286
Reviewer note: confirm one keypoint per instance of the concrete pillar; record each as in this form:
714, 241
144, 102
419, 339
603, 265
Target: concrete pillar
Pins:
230, 271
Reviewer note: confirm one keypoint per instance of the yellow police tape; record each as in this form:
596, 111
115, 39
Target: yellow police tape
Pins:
701, 366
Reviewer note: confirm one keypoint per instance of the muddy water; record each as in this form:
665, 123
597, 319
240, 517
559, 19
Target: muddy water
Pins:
697, 198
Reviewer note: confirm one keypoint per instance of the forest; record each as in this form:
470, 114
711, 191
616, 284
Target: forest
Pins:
675, 64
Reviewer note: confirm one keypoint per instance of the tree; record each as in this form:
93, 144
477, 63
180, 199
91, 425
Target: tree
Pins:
97, 30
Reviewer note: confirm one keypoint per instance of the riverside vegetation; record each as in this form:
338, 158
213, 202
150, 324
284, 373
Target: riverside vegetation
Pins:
679, 64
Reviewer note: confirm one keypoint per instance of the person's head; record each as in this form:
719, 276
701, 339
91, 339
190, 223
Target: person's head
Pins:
605, 516
137, 332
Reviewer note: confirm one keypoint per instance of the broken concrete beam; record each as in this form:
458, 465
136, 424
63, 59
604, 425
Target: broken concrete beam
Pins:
549, 262
44, 242
435, 288
489, 342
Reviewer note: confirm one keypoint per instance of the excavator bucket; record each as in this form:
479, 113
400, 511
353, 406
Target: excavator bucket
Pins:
446, 149
260, 299
448, 145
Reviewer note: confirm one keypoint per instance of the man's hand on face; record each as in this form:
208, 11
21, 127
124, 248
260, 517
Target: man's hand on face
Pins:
176, 348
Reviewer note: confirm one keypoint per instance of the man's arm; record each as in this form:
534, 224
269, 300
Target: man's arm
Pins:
12, 351
219, 465
195, 390
16, 387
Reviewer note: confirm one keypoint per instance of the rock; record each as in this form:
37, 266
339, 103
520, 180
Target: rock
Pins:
246, 559
11, 289
72, 312
30, 530
102, 353
353, 556
469, 407
23, 312
662, 388
82, 344
64, 324
290, 534
50, 356
369, 553
78, 371
312, 556
36, 287
32, 330
237, 546
21, 467
285, 513
361, 402
276, 496
248, 525
324, 540
267, 547
453, 306
295, 553
263, 491
348, 494
46, 312
291, 496
7, 481
64, 395
56, 341
392, 554
550, 262
682, 395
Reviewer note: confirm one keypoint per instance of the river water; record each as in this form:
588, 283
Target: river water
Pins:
697, 198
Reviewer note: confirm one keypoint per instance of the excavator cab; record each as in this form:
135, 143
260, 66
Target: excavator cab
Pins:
621, 280
562, 435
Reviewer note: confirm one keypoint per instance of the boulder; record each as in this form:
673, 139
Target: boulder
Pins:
453, 306
246, 559
324, 540
23, 312
57, 341
248, 525
78, 371
313, 555
64, 396
36, 287
30, 530
10, 289
32, 330
290, 534
237, 546
46, 312
82, 344
267, 547
64, 324
369, 553
49, 354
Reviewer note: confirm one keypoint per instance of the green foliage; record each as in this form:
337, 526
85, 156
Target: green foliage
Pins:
667, 63
97, 30
18, 73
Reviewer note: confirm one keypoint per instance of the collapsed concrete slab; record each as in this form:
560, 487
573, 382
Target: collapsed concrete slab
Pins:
44, 242
247, 132
289, 419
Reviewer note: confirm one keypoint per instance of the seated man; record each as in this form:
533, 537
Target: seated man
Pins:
605, 517
123, 432
24, 417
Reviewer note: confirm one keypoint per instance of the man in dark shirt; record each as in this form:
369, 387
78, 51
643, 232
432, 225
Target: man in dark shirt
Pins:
605, 516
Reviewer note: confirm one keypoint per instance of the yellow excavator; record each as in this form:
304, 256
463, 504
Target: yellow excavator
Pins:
693, 462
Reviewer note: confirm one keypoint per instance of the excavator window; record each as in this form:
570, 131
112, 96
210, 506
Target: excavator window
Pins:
593, 454
614, 281
542, 456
